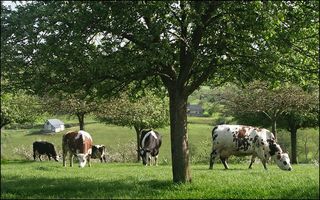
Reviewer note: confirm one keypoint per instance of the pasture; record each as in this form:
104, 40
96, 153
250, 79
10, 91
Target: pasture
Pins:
122, 177
28, 179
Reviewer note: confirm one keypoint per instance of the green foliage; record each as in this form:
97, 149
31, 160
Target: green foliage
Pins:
260, 103
148, 111
19, 108
68, 45
49, 180
103, 47
70, 104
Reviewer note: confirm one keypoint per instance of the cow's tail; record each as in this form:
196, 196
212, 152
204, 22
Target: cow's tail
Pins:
213, 130
64, 142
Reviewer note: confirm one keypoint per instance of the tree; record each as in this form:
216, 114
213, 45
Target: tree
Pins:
260, 97
179, 45
303, 115
148, 111
19, 108
288, 105
72, 104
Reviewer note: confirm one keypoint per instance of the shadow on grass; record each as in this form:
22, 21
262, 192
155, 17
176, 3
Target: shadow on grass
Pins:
43, 188
4, 161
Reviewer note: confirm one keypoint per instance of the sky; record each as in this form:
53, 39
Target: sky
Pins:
12, 4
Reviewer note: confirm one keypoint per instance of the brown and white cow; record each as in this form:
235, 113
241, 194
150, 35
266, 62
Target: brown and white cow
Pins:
77, 143
242, 140
99, 151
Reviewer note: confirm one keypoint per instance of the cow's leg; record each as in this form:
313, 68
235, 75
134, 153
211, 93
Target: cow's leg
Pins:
149, 160
104, 158
34, 155
253, 158
156, 160
40, 157
213, 156
71, 160
88, 159
64, 156
101, 159
224, 162
264, 162
49, 157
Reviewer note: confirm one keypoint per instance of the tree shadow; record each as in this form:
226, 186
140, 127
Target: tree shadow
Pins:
41, 187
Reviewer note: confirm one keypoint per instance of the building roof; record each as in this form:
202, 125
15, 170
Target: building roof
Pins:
55, 122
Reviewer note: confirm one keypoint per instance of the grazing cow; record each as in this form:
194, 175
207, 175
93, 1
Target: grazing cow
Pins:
241, 140
150, 142
42, 148
77, 143
99, 151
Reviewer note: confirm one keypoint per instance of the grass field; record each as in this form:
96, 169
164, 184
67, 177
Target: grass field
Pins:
28, 179
17, 144
22, 178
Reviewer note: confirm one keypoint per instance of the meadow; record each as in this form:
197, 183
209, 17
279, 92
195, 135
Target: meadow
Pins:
123, 178
49, 180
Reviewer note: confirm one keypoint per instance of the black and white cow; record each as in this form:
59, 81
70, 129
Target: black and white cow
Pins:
44, 148
99, 151
242, 140
150, 142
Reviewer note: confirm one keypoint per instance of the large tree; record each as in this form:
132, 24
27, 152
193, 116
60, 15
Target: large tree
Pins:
177, 44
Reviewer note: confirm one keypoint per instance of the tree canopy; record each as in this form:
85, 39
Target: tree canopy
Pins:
19, 108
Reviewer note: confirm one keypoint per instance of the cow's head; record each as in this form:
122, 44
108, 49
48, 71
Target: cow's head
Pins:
82, 159
144, 153
56, 158
283, 161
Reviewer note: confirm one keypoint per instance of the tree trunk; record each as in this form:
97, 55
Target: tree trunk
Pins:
306, 151
138, 140
179, 138
293, 132
81, 120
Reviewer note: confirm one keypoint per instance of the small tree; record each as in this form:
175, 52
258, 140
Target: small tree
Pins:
289, 105
19, 108
72, 104
302, 115
146, 112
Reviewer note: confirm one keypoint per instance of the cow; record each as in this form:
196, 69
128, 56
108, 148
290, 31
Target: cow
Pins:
78, 143
99, 151
150, 143
242, 140
42, 148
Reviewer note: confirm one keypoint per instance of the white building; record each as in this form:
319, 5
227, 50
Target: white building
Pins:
53, 125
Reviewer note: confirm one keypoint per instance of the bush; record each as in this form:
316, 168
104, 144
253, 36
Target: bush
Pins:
24, 152
122, 153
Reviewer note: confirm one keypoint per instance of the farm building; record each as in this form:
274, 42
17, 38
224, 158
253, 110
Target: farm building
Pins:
194, 110
53, 125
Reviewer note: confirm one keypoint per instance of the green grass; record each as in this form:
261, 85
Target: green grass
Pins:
43, 180
114, 137
22, 179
